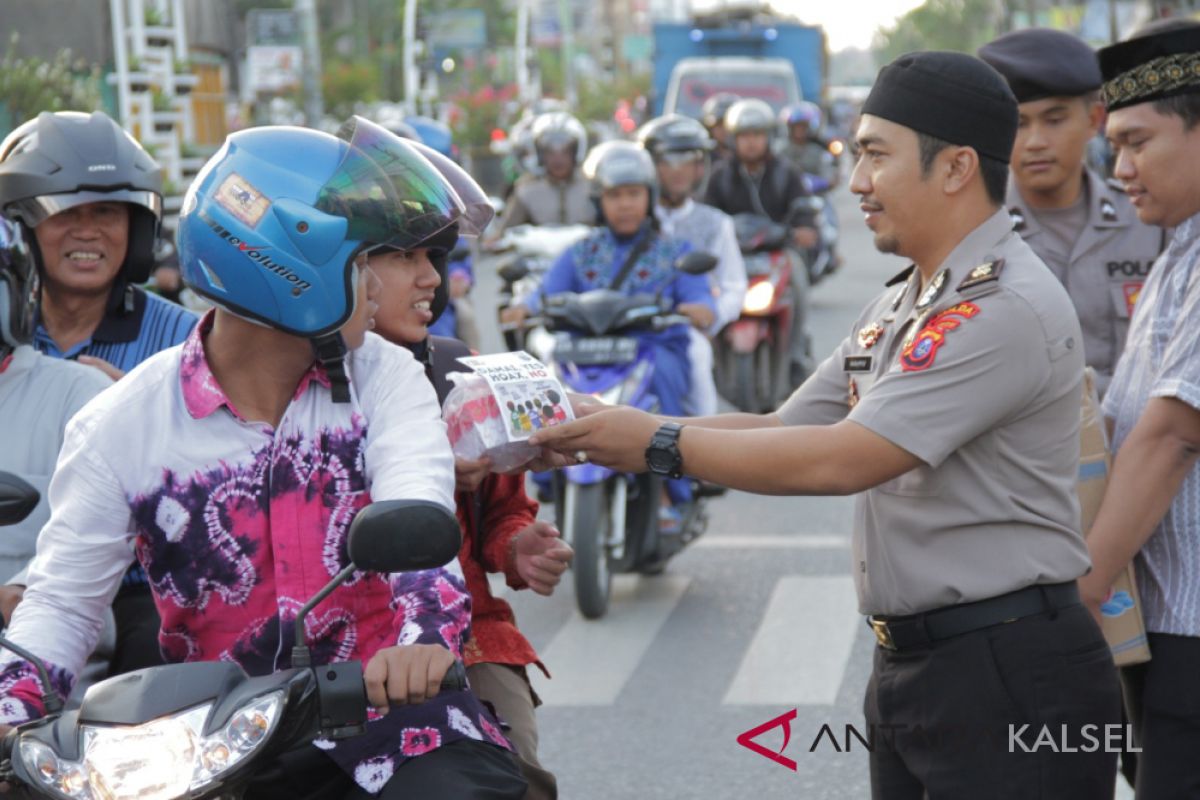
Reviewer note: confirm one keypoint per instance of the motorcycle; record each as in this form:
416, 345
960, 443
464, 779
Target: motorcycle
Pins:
753, 352
529, 251
204, 729
611, 518
817, 212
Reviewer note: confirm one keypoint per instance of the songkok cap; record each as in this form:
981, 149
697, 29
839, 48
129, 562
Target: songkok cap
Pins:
1040, 63
954, 97
1151, 67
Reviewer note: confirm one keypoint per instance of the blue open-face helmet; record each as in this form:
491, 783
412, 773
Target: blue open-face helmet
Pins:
272, 225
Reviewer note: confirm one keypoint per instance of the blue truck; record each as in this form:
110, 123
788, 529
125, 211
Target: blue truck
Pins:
755, 56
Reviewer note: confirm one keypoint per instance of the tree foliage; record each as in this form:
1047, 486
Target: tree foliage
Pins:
961, 25
31, 85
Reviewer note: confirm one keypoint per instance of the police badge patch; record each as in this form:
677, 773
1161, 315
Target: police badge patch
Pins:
919, 353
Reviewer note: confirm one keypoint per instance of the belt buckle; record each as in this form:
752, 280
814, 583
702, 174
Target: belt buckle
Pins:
882, 634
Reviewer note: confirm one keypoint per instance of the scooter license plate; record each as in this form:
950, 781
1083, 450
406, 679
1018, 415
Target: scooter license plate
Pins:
595, 350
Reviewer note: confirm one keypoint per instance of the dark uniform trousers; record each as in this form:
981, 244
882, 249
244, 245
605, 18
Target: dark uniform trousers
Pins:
945, 714
1162, 697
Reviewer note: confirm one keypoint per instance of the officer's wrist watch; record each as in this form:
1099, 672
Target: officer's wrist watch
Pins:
663, 456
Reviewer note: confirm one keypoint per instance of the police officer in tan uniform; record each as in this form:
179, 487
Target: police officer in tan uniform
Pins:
1084, 228
953, 408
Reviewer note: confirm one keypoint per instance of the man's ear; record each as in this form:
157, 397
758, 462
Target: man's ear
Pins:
959, 166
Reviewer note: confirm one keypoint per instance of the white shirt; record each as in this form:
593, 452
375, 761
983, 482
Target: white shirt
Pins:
710, 230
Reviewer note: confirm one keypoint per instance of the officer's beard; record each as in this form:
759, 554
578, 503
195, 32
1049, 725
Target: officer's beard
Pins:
887, 243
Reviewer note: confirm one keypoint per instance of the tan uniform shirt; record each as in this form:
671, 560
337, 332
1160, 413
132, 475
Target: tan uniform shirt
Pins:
541, 201
979, 376
1105, 270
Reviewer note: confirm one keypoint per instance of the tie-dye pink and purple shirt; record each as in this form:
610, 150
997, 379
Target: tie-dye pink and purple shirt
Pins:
238, 523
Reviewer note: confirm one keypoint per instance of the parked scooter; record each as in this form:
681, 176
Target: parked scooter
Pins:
204, 729
753, 352
611, 518
530, 251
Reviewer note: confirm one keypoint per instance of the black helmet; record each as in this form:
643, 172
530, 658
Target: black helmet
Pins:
712, 113
68, 158
674, 133
18, 288
750, 115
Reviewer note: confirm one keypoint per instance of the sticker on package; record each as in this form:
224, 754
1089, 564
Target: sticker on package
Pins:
493, 411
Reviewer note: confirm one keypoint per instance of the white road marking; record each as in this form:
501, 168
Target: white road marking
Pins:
799, 654
593, 660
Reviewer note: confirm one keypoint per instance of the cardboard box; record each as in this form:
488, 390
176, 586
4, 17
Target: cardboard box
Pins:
1122, 625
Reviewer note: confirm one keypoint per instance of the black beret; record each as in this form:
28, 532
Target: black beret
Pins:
1040, 62
954, 97
1151, 67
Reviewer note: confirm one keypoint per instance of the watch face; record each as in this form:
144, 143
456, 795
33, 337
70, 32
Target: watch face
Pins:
660, 460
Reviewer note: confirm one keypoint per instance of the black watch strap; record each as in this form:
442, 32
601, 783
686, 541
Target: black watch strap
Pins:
663, 456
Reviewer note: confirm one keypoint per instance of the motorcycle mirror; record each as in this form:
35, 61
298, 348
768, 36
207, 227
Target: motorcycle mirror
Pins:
696, 263
514, 270
17, 499
403, 536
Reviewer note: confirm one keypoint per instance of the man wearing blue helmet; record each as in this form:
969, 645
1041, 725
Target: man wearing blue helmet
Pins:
272, 425
805, 147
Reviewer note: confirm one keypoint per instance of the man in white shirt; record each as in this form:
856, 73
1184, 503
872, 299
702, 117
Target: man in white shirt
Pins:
680, 147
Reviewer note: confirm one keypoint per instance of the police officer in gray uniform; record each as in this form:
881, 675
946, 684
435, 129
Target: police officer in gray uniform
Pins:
953, 408
1083, 227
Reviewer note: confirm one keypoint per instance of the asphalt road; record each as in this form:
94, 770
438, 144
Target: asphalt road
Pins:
755, 620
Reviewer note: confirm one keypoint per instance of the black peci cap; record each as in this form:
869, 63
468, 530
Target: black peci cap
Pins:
952, 96
1040, 63
1151, 67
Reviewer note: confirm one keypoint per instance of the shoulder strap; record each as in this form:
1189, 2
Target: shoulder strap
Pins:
635, 252
444, 353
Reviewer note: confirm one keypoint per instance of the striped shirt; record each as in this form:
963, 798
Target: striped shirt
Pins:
126, 338
137, 325
1162, 359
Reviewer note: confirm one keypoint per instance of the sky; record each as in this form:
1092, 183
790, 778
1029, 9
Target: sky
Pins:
847, 23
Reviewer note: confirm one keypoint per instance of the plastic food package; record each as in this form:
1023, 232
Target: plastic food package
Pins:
476, 428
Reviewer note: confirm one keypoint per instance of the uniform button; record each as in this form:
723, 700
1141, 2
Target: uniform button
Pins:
1070, 342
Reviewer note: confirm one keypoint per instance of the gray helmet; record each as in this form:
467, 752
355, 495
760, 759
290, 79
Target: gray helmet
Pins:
18, 288
674, 133
750, 115
558, 130
619, 163
712, 113
66, 159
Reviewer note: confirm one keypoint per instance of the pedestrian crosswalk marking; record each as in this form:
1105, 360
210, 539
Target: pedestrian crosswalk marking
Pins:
593, 660
802, 647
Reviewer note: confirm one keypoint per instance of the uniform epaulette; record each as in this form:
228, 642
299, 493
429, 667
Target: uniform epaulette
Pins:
982, 280
901, 276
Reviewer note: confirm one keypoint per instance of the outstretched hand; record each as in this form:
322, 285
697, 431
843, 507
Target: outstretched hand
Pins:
614, 437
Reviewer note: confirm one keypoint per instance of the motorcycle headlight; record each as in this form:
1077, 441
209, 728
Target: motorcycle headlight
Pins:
759, 297
158, 760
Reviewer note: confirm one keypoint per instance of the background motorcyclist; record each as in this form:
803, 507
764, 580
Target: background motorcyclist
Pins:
712, 116
501, 533
624, 185
560, 194
805, 147
279, 418
754, 181
38, 395
680, 148
89, 199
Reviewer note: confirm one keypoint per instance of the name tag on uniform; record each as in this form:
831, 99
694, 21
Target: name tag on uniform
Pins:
857, 363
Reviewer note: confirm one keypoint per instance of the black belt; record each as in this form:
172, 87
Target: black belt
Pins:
898, 633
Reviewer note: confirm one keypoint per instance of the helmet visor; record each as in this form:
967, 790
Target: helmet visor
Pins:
33, 211
477, 208
390, 193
